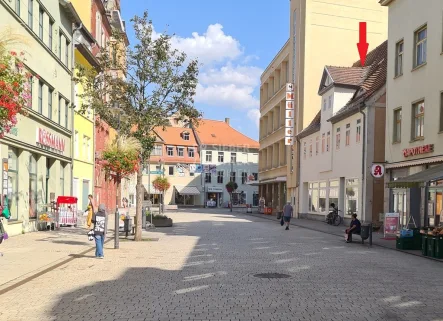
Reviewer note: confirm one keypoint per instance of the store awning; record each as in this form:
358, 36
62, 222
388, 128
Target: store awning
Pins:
280, 179
187, 190
419, 179
151, 190
253, 183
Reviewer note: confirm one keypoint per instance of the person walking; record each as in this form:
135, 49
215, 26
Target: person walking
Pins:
99, 220
90, 211
287, 214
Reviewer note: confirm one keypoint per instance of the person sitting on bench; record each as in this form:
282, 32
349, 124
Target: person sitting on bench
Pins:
355, 228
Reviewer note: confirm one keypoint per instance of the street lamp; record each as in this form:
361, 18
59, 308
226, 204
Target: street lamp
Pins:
121, 116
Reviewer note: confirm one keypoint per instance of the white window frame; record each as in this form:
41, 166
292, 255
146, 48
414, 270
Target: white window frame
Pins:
418, 121
399, 50
180, 151
420, 46
208, 156
170, 151
191, 152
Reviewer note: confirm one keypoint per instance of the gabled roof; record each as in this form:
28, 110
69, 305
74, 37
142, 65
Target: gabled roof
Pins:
373, 81
174, 136
214, 132
350, 77
312, 128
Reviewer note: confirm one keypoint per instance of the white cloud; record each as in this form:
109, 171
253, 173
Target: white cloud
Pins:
239, 75
212, 46
254, 115
226, 95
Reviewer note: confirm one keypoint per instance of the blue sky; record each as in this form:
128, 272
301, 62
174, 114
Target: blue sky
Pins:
234, 39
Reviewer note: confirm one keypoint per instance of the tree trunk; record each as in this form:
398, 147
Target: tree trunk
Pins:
230, 200
139, 209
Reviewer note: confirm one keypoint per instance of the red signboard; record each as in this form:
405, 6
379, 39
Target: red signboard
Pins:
50, 140
418, 150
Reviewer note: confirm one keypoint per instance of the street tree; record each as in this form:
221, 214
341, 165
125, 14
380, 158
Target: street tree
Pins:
149, 82
231, 187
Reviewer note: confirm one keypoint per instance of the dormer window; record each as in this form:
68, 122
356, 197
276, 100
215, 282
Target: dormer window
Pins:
186, 136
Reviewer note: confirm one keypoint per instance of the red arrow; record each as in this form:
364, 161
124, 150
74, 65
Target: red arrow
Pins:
363, 45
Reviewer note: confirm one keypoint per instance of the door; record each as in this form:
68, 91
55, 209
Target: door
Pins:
439, 207
85, 193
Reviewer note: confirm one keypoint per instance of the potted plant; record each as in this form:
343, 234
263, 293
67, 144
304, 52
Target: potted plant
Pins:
161, 184
159, 220
231, 187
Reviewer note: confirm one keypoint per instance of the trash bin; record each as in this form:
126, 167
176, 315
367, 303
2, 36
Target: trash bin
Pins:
364, 231
424, 244
439, 247
431, 246
127, 224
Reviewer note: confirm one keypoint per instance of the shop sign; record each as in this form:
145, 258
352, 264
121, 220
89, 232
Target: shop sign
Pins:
215, 189
391, 223
378, 170
289, 119
418, 150
48, 139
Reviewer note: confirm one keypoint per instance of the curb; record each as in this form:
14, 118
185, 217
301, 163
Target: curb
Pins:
11, 285
333, 234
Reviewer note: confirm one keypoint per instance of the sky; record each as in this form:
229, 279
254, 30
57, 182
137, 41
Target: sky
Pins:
233, 40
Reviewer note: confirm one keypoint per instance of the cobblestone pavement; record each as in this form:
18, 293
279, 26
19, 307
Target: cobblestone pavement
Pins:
203, 269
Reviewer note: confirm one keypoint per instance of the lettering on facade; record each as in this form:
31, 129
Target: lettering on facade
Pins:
289, 119
48, 139
425, 149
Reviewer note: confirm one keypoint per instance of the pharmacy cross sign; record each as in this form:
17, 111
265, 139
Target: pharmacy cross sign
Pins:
378, 170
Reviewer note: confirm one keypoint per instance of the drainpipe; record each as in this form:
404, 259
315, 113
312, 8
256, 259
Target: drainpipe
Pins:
74, 31
363, 166
297, 185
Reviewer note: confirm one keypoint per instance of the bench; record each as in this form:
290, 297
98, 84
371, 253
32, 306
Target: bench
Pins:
171, 207
359, 234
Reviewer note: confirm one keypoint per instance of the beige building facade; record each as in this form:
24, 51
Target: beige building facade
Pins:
414, 119
321, 33
38, 150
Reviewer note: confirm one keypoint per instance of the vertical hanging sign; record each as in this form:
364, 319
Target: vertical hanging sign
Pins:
5, 179
289, 119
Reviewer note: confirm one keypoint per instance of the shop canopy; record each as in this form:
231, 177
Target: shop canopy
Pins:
419, 179
187, 190
151, 190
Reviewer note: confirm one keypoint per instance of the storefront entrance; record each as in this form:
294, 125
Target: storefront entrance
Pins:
213, 199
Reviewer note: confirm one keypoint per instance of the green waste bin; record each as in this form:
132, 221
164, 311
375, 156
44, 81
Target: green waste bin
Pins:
438, 247
405, 243
417, 239
424, 244
431, 246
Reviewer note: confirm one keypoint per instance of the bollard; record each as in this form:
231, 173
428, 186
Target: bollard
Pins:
370, 234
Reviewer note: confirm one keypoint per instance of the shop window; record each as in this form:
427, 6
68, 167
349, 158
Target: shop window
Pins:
399, 204
313, 198
333, 192
184, 199
255, 199
32, 168
322, 207
351, 204
13, 182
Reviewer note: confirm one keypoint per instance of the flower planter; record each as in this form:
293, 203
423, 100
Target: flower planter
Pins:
162, 222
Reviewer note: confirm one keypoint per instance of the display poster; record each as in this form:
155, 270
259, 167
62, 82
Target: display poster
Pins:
391, 223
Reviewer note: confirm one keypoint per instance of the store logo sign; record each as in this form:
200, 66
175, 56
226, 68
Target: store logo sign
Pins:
289, 119
377, 170
48, 139
418, 150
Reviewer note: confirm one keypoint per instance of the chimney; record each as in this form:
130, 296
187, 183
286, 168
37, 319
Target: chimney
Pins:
227, 121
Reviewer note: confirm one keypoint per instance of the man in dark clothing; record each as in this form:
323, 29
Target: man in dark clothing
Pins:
287, 214
99, 220
355, 227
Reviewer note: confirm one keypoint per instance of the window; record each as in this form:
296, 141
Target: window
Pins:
399, 58
170, 150
244, 178
62, 178
221, 157
304, 150
60, 108
191, 152
13, 195
324, 104
209, 156
441, 111
40, 97
171, 171
310, 148
337, 138
348, 134
76, 144
420, 39
330, 102
186, 136
334, 186
17, 7
40, 23
51, 27
233, 158
86, 146
60, 38
180, 151
30, 13
322, 207
328, 141
322, 143
157, 151
313, 197
351, 203
208, 177
89, 150
32, 168
317, 145
220, 175
68, 44
419, 119
232, 177
66, 115
358, 132
255, 176
31, 89
50, 93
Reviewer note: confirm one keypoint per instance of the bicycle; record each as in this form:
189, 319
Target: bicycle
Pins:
333, 218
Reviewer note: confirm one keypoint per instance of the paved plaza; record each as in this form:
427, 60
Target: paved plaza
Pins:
204, 268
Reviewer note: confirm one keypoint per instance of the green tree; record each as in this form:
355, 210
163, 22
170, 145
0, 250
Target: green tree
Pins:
231, 187
149, 82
